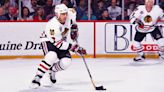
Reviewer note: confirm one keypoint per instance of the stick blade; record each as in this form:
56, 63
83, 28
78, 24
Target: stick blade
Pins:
100, 88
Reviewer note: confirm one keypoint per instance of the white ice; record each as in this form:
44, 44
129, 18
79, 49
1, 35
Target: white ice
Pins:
116, 75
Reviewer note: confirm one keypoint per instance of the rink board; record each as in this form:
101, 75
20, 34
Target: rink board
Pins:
101, 39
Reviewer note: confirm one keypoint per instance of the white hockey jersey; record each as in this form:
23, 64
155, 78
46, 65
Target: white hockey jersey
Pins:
56, 33
149, 19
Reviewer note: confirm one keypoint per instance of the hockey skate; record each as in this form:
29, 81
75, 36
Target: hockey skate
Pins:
49, 78
161, 56
35, 82
52, 76
139, 58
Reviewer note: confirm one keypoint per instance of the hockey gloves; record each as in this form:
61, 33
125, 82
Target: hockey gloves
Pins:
74, 35
79, 50
74, 32
140, 23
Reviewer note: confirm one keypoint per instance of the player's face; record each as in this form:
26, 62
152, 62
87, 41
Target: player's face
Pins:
149, 4
63, 17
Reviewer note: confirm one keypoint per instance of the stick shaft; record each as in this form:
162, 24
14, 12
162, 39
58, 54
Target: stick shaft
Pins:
88, 71
85, 63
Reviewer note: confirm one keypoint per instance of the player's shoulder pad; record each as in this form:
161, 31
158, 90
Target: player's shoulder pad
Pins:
52, 19
53, 22
157, 7
72, 10
72, 13
141, 6
138, 8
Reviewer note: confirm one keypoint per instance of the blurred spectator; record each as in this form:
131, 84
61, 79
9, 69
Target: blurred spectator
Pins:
1, 2
73, 2
13, 3
131, 7
138, 2
107, 3
94, 5
126, 16
81, 9
118, 3
2, 17
26, 2
41, 2
104, 15
12, 13
32, 6
25, 14
6, 7
39, 14
52, 14
48, 7
161, 4
100, 7
56, 2
67, 3
85, 16
114, 10
77, 2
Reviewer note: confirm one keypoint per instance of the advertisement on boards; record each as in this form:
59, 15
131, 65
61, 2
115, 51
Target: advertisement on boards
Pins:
118, 38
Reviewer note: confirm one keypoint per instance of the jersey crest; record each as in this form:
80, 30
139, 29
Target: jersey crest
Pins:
148, 19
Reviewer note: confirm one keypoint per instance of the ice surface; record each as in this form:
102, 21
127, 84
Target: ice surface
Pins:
117, 75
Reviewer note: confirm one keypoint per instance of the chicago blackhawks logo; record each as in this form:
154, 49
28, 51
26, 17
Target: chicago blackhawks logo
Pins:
52, 32
148, 19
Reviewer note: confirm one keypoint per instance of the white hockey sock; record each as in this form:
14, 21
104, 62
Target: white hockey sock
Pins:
62, 64
57, 67
43, 68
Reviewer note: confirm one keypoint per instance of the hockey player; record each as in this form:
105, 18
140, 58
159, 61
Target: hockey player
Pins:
55, 46
146, 18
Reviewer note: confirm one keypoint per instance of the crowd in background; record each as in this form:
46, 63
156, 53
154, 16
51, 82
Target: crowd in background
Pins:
44, 9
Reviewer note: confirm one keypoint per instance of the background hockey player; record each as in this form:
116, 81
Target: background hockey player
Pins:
146, 17
55, 46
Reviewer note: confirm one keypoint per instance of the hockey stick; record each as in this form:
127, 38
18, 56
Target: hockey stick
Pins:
96, 87
85, 63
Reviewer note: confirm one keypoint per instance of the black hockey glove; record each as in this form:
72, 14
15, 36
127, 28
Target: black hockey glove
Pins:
74, 32
77, 49
140, 23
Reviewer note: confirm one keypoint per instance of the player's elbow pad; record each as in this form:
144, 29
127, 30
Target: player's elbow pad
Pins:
132, 20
